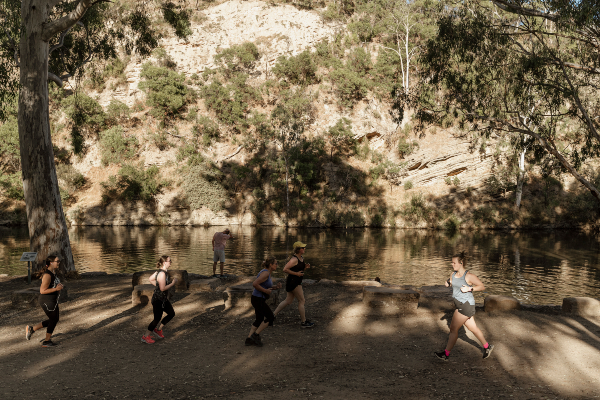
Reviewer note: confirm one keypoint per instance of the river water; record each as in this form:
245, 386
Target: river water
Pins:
535, 267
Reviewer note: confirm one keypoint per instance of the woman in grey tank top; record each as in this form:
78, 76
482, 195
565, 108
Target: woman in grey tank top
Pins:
463, 285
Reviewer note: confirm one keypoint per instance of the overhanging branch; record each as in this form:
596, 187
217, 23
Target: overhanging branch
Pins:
64, 23
511, 8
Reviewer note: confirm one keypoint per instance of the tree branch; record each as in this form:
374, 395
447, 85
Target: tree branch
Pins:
54, 78
64, 23
511, 8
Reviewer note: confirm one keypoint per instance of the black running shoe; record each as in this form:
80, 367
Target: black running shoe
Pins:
249, 342
28, 332
307, 324
257, 339
48, 343
487, 352
441, 355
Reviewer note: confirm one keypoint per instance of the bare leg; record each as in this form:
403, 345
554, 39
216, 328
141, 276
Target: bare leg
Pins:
214, 267
288, 300
262, 327
48, 336
252, 330
470, 324
222, 265
38, 326
299, 294
458, 320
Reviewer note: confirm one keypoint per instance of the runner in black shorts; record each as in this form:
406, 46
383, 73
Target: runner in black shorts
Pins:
293, 286
463, 285
48, 300
262, 291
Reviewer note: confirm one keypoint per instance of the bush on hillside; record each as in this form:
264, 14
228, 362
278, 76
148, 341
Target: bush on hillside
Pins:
12, 185
10, 156
167, 92
115, 147
178, 18
298, 70
116, 112
133, 183
359, 61
202, 186
341, 139
206, 130
238, 58
350, 87
86, 117
231, 103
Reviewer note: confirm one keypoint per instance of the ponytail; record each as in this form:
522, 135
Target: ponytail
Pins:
44, 269
462, 258
268, 262
161, 261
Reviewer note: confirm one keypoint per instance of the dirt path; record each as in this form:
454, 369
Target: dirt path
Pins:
348, 355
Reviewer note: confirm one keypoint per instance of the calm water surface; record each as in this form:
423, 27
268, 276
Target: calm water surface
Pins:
535, 267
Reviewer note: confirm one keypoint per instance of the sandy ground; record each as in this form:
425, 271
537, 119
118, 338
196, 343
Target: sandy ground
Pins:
349, 354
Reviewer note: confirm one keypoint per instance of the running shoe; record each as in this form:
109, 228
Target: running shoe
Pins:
307, 324
28, 332
257, 339
147, 339
48, 343
250, 342
159, 333
442, 355
487, 352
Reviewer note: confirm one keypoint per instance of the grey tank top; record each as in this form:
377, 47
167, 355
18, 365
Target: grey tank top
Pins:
457, 283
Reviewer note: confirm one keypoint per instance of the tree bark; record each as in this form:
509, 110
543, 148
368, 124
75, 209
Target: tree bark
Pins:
520, 179
48, 232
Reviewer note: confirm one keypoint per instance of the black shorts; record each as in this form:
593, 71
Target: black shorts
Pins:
466, 309
292, 283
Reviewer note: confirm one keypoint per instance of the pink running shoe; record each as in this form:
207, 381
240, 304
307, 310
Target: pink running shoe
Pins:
147, 339
159, 333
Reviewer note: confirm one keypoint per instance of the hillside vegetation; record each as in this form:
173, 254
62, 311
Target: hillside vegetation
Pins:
260, 132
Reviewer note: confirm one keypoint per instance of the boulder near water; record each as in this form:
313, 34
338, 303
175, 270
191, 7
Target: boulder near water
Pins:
582, 306
495, 303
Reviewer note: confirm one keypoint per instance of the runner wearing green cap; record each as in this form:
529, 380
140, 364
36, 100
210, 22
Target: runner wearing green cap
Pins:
295, 268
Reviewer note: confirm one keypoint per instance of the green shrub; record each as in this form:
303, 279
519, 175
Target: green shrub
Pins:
238, 58
115, 147
416, 210
133, 183
298, 70
70, 178
452, 223
352, 219
448, 180
231, 103
206, 131
377, 221
10, 156
84, 112
12, 185
406, 147
202, 187
340, 137
114, 68
167, 92
185, 151
116, 112
408, 185
159, 139
483, 215
164, 59
376, 172
359, 61
349, 86
362, 150
456, 181
178, 19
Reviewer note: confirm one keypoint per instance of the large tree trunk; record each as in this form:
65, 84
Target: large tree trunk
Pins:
46, 221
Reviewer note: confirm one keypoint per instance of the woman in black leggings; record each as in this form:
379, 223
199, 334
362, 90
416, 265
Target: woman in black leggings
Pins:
160, 300
263, 284
48, 300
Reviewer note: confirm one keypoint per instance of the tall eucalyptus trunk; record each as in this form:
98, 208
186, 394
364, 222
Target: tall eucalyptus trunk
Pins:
520, 178
45, 218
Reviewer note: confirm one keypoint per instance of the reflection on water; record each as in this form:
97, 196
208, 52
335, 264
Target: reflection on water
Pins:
535, 267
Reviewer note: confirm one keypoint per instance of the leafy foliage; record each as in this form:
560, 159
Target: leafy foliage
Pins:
297, 70
87, 117
167, 92
178, 19
116, 147
116, 112
133, 183
202, 186
349, 85
340, 137
231, 103
238, 58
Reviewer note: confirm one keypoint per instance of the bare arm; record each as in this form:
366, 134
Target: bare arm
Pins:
162, 282
213, 243
292, 263
45, 286
474, 281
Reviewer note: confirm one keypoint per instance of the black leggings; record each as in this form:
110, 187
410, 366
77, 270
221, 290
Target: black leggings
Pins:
51, 310
158, 307
262, 311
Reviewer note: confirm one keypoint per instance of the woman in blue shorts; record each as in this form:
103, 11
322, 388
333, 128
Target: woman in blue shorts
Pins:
463, 285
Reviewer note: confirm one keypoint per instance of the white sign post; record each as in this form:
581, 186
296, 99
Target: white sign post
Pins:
29, 257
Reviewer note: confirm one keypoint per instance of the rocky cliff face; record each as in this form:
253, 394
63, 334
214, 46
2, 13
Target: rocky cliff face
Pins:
276, 30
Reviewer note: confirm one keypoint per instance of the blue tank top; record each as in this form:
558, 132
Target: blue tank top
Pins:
457, 283
265, 285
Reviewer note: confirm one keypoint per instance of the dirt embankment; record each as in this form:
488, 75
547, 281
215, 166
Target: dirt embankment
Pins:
347, 355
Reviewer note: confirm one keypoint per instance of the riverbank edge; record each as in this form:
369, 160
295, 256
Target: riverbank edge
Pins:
548, 309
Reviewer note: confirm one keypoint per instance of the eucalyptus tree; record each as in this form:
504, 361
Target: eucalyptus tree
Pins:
527, 71
54, 40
